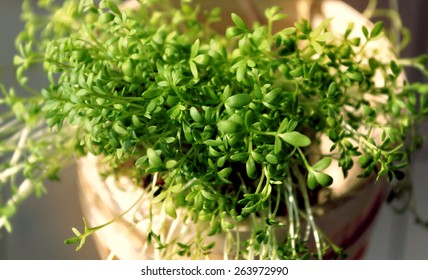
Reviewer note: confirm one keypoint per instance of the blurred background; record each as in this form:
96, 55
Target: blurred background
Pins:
41, 224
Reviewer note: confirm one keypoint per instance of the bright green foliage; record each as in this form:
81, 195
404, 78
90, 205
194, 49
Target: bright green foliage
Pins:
234, 114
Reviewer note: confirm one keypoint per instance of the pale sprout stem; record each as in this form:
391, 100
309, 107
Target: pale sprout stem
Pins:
314, 230
188, 184
160, 225
228, 244
24, 191
238, 242
174, 226
273, 248
152, 194
310, 217
251, 254
9, 124
289, 199
226, 248
296, 218
144, 249
21, 144
371, 7
10, 172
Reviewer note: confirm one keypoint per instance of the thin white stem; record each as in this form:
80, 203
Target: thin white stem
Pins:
310, 216
290, 202
173, 226
398, 25
238, 241
371, 7
10, 172
21, 144
23, 192
188, 184
10, 124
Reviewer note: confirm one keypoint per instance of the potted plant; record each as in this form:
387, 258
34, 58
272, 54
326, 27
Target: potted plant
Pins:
201, 133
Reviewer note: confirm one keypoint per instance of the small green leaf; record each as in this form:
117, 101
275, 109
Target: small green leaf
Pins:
152, 93
312, 182
251, 63
272, 159
128, 68
214, 143
377, 29
322, 164
228, 126
208, 195
318, 48
226, 225
239, 157
238, 21
249, 118
354, 75
170, 207
141, 161
251, 169
240, 73
226, 93
332, 89
118, 127
325, 37
239, 100
349, 29
170, 164
112, 6
277, 145
355, 41
292, 125
233, 32
396, 70
283, 126
136, 122
195, 48
202, 59
288, 31
273, 96
72, 240
323, 179
365, 161
154, 158
196, 116
194, 69
259, 158
297, 72
225, 172
159, 198
296, 139
105, 18
365, 31
81, 92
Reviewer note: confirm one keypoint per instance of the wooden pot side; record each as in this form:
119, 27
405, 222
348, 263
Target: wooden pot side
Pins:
104, 199
349, 221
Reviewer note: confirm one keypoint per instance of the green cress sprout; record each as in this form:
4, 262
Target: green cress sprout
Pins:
226, 120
